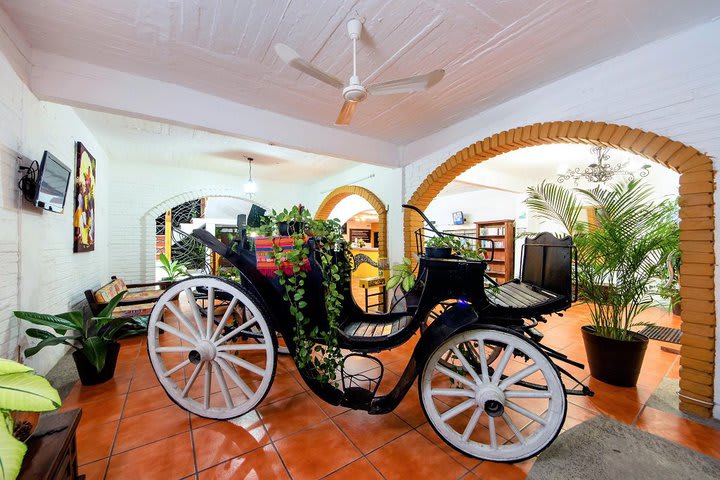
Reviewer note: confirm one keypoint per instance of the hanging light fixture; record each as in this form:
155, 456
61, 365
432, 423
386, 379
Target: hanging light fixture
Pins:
250, 186
600, 172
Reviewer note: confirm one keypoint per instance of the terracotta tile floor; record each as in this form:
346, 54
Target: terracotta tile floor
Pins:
130, 429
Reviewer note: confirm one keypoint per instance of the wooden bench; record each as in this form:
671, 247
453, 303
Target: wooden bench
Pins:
139, 299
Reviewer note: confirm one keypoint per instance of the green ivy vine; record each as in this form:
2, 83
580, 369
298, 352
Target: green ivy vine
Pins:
317, 348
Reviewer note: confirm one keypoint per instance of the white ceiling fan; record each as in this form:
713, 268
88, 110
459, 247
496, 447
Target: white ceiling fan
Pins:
355, 92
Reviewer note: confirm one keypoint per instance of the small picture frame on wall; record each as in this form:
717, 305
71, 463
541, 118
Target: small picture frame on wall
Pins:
458, 218
84, 212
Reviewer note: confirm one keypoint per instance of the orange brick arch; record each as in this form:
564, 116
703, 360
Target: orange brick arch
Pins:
334, 197
697, 224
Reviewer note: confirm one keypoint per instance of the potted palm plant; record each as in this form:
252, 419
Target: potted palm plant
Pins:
94, 339
621, 259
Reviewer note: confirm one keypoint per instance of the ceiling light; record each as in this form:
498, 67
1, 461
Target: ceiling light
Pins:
250, 186
600, 172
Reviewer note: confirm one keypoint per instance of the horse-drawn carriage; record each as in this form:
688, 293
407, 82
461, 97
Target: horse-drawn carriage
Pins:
487, 385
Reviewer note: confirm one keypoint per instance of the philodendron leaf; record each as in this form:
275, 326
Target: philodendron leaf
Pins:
107, 311
95, 350
8, 366
49, 342
75, 317
26, 391
12, 452
59, 324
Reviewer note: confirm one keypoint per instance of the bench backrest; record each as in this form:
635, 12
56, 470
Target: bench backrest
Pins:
547, 262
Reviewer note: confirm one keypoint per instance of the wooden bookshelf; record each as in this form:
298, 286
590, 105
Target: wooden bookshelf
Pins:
502, 232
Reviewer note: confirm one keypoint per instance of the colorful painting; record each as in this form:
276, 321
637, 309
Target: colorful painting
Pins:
84, 217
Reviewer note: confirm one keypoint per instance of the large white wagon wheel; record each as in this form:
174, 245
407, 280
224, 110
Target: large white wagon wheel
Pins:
203, 360
507, 410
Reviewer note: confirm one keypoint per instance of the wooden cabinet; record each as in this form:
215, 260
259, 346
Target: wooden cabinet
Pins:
502, 232
52, 454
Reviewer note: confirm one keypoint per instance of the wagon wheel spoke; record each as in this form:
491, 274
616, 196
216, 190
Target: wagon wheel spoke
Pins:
237, 379
483, 362
183, 319
220, 377
225, 318
514, 428
192, 302
466, 365
525, 412
210, 320
191, 380
493, 433
242, 363
236, 331
502, 365
472, 423
175, 332
516, 377
208, 384
177, 367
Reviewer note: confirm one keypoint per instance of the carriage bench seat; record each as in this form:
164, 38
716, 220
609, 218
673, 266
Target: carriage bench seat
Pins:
376, 331
516, 294
139, 299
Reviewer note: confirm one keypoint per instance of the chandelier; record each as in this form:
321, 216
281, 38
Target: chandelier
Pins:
600, 172
250, 186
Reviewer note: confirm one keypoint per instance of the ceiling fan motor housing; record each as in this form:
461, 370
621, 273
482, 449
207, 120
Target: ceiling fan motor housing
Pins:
354, 92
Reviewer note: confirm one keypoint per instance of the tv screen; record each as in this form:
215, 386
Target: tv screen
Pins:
52, 184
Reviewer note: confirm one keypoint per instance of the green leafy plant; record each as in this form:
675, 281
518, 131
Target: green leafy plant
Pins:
315, 347
457, 247
91, 336
622, 256
173, 269
20, 391
402, 274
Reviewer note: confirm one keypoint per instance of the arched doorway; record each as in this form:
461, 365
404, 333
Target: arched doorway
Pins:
697, 224
334, 197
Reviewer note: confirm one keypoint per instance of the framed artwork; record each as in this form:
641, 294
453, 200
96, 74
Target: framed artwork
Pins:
84, 213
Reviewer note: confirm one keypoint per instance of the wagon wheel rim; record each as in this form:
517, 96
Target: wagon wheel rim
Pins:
203, 360
508, 410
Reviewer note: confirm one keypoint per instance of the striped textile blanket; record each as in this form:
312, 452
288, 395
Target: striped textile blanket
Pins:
263, 255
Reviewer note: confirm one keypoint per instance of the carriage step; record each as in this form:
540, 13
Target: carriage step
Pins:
368, 329
361, 376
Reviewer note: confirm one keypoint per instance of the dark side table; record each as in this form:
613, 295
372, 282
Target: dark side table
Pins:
52, 452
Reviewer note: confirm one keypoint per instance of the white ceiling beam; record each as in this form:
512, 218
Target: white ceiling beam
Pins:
63, 80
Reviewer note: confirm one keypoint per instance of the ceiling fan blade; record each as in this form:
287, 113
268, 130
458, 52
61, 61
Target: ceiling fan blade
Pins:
346, 113
407, 85
291, 57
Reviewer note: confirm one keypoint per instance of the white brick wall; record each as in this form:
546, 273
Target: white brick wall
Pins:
38, 270
140, 192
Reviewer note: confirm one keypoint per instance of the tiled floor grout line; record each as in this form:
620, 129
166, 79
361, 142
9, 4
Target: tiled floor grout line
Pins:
192, 445
272, 442
117, 430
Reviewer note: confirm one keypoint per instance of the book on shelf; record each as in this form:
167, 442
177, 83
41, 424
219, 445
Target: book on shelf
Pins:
492, 231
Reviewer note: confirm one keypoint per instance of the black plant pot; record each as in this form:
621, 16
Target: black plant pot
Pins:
86, 370
617, 362
438, 252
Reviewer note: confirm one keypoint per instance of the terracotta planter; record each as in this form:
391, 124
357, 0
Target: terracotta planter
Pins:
86, 370
617, 362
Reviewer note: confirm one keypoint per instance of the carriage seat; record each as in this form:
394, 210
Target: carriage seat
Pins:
546, 277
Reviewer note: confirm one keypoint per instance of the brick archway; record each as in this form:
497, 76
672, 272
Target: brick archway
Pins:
334, 197
697, 224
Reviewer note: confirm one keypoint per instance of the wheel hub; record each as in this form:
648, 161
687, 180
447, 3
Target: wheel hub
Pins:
491, 399
203, 352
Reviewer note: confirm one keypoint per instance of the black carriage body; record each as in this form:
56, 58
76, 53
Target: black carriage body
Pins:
457, 280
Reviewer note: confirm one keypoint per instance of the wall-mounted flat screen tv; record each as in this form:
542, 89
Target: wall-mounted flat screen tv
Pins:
52, 184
